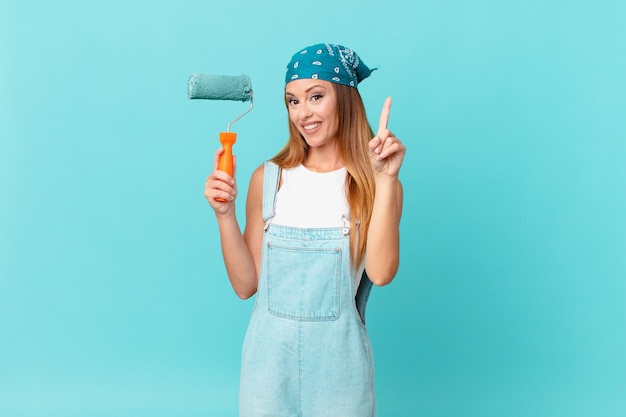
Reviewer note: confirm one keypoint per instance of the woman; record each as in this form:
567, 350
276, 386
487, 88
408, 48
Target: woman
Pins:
322, 220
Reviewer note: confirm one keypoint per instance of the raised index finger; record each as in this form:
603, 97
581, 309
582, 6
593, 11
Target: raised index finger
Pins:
384, 115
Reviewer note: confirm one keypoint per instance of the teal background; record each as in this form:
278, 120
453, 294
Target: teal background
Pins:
511, 295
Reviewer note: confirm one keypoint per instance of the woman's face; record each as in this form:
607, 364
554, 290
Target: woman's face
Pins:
312, 106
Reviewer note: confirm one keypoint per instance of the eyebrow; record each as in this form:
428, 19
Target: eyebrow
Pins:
287, 93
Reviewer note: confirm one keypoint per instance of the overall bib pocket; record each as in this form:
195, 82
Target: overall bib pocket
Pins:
303, 283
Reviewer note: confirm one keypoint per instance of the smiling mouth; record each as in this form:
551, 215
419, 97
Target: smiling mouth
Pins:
311, 126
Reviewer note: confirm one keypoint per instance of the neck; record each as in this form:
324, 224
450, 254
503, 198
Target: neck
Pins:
319, 161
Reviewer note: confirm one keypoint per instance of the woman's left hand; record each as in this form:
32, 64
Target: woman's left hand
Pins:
386, 150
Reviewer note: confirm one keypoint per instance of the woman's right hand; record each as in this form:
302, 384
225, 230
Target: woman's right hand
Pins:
220, 189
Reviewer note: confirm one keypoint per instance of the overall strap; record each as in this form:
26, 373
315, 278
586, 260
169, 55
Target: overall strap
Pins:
271, 179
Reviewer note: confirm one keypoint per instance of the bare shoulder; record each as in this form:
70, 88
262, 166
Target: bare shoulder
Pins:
255, 190
254, 202
257, 174
253, 232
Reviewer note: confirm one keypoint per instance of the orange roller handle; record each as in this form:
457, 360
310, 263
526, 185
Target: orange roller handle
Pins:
227, 139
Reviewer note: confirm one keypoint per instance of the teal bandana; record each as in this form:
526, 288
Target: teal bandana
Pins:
328, 62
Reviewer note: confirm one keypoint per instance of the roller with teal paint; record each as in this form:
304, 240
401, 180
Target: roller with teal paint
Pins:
223, 87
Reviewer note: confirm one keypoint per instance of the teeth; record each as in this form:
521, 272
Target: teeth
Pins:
311, 126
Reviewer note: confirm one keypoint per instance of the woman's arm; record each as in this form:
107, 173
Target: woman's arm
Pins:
383, 237
241, 253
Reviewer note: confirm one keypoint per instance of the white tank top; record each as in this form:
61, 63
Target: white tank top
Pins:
308, 199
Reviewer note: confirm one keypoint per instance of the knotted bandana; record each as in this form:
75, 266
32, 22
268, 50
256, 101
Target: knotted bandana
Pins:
328, 62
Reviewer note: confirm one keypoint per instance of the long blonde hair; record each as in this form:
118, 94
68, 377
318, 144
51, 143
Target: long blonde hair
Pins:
354, 133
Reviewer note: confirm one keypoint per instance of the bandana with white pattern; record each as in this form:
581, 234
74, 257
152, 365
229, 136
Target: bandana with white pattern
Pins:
328, 62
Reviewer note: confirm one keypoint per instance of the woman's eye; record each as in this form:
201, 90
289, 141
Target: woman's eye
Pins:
316, 97
293, 101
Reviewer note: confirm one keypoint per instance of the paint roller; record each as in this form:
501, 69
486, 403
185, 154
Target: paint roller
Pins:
223, 87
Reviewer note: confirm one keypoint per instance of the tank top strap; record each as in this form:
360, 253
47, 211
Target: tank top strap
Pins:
271, 180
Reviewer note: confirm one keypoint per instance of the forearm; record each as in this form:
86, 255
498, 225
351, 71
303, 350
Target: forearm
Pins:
238, 260
383, 237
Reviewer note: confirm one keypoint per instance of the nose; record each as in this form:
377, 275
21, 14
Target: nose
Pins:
304, 110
